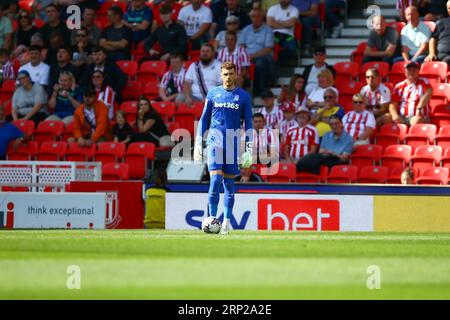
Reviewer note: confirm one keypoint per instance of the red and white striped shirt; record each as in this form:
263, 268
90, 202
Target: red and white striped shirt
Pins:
299, 101
178, 79
107, 96
285, 125
300, 140
263, 142
380, 96
239, 57
355, 123
8, 71
408, 96
273, 118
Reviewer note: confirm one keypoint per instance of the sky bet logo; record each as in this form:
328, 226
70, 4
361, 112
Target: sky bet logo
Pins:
7, 220
195, 217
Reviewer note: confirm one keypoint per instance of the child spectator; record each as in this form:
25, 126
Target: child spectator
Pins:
289, 121
122, 131
7, 69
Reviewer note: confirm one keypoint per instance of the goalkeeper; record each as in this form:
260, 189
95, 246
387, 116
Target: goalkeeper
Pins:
225, 108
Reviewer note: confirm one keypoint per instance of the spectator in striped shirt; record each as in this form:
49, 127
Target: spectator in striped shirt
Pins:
302, 139
289, 121
238, 55
377, 96
359, 123
104, 92
172, 82
6, 66
411, 97
270, 111
232, 24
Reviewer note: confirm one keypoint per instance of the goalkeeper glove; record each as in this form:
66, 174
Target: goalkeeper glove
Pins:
198, 150
247, 156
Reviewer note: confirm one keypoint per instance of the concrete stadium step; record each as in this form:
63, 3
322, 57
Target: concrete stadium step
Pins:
299, 70
344, 42
387, 3
330, 60
283, 81
337, 52
354, 32
362, 22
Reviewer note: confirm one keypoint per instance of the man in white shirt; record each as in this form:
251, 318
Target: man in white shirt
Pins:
201, 76
37, 69
196, 19
282, 18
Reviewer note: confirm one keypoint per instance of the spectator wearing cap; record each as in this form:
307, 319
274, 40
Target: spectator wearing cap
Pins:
64, 57
311, 71
196, 19
38, 70
29, 100
6, 30
383, 42
359, 123
88, 22
302, 139
325, 81
321, 119
289, 121
224, 9
231, 25
170, 36
377, 96
139, 19
258, 39
309, 18
271, 111
335, 149
53, 25
9, 133
440, 40
410, 101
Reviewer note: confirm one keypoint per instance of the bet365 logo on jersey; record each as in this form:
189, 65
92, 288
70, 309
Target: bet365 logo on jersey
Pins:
308, 215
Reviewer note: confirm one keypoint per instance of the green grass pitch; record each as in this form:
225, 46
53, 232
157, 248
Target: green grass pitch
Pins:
145, 264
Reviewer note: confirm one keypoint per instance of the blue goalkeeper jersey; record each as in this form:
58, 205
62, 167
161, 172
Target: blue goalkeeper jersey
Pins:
225, 110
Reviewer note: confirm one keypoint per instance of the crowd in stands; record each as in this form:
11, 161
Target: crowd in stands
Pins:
135, 66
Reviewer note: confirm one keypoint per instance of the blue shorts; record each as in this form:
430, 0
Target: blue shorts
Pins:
219, 160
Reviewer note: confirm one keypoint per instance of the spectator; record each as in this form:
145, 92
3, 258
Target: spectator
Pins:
56, 42
321, 119
325, 81
29, 99
122, 131
282, 18
82, 51
63, 65
377, 96
271, 112
53, 25
309, 18
38, 70
333, 21
150, 126
201, 76
238, 55
6, 67
231, 25
407, 176
155, 202
170, 36
411, 97
302, 139
224, 9
175, 10
115, 77
196, 19
382, 42
359, 123
172, 82
401, 6
258, 39
139, 19
65, 98
8, 133
440, 40
25, 29
296, 92
88, 22
335, 149
117, 39
104, 93
289, 121
6, 30
311, 71
414, 38
90, 121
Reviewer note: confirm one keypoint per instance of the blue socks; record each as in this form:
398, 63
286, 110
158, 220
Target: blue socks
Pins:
214, 193
228, 186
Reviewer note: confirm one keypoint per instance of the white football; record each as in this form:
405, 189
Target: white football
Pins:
211, 225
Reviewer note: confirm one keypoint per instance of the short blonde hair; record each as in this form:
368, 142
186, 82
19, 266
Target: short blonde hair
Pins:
228, 65
327, 74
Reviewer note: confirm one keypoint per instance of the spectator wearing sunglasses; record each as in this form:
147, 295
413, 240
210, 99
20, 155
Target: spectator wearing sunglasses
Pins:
321, 119
82, 50
25, 29
359, 123
377, 96
232, 25
325, 81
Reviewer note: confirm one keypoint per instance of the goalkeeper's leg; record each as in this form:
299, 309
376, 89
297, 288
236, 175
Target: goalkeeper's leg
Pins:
228, 186
214, 191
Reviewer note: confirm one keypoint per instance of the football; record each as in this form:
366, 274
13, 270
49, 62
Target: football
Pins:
211, 225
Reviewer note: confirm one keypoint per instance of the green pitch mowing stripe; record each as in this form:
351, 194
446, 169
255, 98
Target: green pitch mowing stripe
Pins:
243, 265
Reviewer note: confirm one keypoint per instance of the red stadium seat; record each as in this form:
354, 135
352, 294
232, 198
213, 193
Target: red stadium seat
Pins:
366, 155
129, 67
358, 54
49, 130
395, 174
151, 90
68, 132
196, 109
304, 177
115, 171
79, 154
442, 139
397, 26
137, 157
391, 134
194, 55
346, 71
445, 160
373, 174
397, 73
26, 126
186, 121
133, 90
421, 134
397, 155
426, 156
433, 176
435, 71
139, 52
151, 71
131, 109
7, 90
382, 67
343, 174
172, 126
441, 94
440, 115
51, 151
25, 152
286, 173
165, 108
110, 152
346, 92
